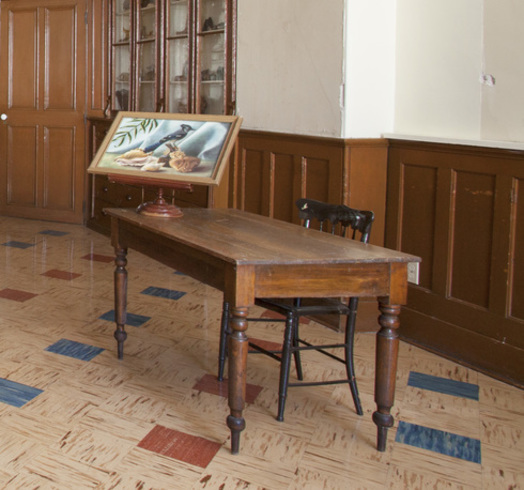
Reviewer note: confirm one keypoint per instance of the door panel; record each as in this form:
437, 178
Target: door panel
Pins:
20, 74
59, 58
42, 93
21, 165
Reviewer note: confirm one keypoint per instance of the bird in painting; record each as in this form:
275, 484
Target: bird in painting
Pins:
177, 135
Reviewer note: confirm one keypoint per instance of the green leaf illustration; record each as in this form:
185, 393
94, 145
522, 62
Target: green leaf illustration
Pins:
132, 129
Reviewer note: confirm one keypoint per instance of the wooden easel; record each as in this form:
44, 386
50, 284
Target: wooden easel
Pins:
159, 207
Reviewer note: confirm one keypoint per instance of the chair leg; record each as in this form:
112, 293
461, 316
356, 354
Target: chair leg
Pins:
284, 366
348, 349
224, 332
296, 352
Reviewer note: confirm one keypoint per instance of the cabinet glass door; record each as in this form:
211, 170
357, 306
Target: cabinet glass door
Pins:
121, 55
211, 57
147, 56
178, 48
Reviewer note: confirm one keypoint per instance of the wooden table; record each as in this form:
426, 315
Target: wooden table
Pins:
247, 256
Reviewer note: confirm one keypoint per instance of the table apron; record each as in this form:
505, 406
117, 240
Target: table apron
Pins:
199, 265
323, 280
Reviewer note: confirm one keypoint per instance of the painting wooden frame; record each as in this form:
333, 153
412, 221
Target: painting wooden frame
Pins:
160, 147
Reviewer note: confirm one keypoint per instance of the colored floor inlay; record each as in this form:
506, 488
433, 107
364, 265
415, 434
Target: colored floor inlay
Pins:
183, 447
439, 441
58, 274
70, 424
16, 244
269, 314
443, 385
210, 384
54, 233
163, 293
16, 394
99, 258
264, 344
74, 349
132, 319
16, 295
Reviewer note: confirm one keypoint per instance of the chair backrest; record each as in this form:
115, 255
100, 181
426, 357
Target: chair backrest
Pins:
324, 213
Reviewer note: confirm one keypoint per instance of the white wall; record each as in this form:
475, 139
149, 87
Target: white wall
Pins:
370, 68
503, 103
362, 68
294, 75
439, 57
290, 65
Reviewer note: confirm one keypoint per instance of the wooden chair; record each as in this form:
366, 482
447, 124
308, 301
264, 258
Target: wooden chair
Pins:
338, 219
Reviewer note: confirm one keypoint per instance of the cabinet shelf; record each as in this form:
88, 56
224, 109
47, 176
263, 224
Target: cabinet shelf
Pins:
178, 36
211, 32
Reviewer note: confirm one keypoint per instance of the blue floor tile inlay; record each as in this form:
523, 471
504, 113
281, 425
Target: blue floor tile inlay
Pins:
54, 232
15, 244
439, 441
163, 293
16, 394
443, 385
74, 349
133, 320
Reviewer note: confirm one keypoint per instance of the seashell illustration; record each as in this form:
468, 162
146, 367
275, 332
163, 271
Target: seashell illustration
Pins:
176, 154
135, 158
184, 164
152, 166
138, 153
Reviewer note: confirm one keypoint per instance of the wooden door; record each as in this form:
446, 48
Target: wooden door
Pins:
42, 101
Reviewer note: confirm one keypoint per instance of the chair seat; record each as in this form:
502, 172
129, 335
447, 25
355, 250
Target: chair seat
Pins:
308, 306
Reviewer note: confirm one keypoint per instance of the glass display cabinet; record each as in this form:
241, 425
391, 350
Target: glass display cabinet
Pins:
147, 57
173, 55
198, 56
135, 55
121, 54
178, 56
211, 56
165, 56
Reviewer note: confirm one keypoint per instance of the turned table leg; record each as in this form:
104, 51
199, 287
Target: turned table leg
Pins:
237, 352
386, 370
120, 278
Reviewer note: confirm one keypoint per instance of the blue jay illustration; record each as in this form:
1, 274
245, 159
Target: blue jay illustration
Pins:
175, 136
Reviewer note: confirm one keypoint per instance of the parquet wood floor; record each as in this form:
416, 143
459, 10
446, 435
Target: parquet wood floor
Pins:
72, 416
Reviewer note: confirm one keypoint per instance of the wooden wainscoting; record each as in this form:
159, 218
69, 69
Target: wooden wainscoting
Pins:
461, 208
272, 170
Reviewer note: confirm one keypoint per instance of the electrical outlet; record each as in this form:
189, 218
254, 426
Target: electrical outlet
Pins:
413, 271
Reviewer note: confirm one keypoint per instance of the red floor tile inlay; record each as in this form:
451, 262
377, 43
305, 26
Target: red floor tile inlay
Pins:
210, 384
182, 447
265, 344
16, 295
273, 315
55, 273
99, 258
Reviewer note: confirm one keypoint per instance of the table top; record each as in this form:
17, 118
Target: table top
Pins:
250, 239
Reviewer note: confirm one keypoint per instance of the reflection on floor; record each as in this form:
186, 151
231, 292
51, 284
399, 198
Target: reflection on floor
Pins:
72, 416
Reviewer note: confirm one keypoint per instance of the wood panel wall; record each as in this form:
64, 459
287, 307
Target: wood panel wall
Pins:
272, 170
461, 209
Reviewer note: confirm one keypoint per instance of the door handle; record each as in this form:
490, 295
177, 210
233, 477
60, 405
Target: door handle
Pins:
3, 116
